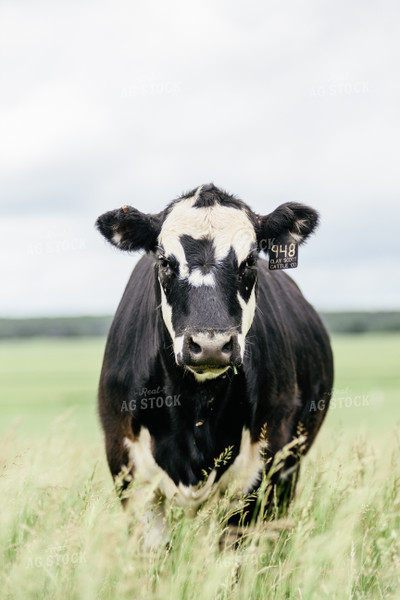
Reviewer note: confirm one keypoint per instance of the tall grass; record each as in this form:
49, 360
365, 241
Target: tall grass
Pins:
64, 536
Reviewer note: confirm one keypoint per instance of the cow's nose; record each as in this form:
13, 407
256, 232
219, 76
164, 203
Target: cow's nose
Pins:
210, 351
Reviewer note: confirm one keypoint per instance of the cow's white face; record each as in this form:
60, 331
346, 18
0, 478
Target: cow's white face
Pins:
207, 275
206, 245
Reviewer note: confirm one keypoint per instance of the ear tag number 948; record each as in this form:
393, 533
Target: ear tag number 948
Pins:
283, 256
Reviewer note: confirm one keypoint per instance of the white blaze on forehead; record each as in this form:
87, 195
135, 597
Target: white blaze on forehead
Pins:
196, 278
224, 225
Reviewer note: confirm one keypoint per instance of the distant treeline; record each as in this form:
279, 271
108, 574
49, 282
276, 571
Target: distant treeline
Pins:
361, 322
336, 322
54, 327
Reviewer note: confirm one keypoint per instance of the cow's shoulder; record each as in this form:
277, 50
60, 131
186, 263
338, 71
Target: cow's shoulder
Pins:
133, 340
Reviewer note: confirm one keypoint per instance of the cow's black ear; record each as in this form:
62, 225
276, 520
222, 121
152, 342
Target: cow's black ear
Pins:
130, 229
290, 222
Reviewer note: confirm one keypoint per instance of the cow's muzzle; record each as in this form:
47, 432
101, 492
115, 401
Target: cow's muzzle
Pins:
211, 351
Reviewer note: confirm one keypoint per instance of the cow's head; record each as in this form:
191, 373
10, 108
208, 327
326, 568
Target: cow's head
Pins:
206, 246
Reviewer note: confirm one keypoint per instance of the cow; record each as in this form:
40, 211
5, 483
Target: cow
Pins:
214, 361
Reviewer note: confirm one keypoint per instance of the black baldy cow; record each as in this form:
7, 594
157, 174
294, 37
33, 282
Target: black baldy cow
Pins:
210, 350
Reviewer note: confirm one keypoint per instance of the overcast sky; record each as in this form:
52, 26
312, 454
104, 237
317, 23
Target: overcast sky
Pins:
112, 103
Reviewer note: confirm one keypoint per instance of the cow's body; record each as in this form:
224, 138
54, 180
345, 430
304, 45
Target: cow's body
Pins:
192, 434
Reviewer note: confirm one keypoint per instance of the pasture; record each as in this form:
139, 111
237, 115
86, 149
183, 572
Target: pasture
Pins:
63, 534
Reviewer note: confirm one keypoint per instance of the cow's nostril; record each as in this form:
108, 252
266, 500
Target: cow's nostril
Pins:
228, 347
193, 347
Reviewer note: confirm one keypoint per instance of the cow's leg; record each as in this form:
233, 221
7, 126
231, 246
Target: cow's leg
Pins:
116, 430
146, 501
142, 503
279, 493
306, 426
312, 415
283, 487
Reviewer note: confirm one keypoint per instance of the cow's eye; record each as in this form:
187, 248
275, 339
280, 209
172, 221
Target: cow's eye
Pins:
251, 260
165, 263
248, 263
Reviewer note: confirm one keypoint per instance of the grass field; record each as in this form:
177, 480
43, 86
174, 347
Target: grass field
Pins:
63, 534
